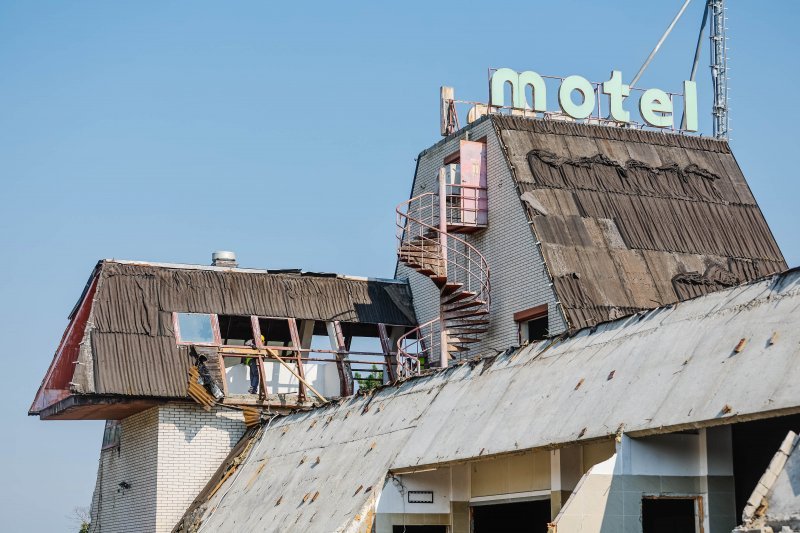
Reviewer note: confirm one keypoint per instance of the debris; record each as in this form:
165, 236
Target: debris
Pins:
578, 386
582, 433
252, 416
280, 498
740, 346
358, 489
773, 338
316, 495
726, 409
611, 375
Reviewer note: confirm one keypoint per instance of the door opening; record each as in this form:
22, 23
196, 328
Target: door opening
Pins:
669, 515
517, 517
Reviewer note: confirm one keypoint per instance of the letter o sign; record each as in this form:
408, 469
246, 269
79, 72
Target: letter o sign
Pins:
583, 86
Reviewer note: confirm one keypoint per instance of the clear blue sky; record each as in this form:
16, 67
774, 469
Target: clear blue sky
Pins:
165, 130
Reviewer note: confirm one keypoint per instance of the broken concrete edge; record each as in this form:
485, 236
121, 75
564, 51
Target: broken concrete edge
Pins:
758, 502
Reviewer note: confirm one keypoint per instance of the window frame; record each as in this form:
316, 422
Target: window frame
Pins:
214, 330
115, 442
526, 315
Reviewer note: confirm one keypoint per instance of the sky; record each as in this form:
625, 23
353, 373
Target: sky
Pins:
165, 130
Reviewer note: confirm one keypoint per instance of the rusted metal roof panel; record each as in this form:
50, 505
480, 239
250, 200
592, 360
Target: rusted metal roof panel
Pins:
630, 219
667, 369
132, 345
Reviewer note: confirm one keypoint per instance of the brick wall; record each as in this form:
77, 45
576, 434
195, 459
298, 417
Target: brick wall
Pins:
192, 443
133, 462
166, 454
518, 276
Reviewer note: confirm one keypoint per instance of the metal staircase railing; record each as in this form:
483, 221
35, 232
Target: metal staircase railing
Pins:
457, 268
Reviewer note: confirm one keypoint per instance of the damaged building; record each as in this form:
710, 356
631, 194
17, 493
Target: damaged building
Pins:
591, 329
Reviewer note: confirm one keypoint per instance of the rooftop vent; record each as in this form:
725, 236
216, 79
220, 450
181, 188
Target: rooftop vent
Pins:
224, 259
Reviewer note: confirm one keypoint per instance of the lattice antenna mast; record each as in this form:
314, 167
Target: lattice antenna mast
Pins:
719, 68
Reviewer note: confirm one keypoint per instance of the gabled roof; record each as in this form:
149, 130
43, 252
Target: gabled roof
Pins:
126, 344
630, 219
673, 368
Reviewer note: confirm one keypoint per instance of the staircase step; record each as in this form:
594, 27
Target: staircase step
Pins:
465, 331
465, 314
456, 348
463, 305
461, 340
450, 288
460, 295
439, 281
460, 323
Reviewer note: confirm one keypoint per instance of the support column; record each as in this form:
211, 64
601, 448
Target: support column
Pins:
296, 341
443, 341
337, 343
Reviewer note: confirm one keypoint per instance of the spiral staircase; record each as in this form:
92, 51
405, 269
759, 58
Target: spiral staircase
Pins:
427, 227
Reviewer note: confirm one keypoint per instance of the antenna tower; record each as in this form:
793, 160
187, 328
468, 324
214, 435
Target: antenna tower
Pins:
719, 68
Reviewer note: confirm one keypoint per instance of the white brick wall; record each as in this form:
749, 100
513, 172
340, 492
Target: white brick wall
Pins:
167, 454
518, 276
191, 444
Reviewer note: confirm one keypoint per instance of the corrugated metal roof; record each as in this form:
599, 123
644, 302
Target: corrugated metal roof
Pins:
663, 370
130, 332
631, 219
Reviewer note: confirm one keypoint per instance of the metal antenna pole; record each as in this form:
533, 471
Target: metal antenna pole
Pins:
697, 55
719, 68
660, 42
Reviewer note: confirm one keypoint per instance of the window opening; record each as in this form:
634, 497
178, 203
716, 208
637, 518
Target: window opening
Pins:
536, 329
275, 332
669, 515
196, 328
235, 330
368, 362
533, 324
112, 434
517, 517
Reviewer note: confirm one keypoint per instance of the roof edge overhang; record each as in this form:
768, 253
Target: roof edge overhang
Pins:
663, 430
99, 407
76, 329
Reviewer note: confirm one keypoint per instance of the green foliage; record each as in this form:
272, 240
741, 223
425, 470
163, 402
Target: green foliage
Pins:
373, 379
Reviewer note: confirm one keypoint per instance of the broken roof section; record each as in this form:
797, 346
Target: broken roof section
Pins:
774, 505
630, 220
673, 368
121, 341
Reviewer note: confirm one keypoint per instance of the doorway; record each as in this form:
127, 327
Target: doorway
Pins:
518, 517
669, 515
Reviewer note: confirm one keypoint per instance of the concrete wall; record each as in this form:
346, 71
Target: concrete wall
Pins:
609, 497
166, 454
518, 276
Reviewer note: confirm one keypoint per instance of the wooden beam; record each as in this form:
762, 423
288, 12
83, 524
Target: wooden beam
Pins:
302, 380
345, 371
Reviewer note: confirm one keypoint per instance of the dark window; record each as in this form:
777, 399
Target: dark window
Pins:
536, 329
275, 332
112, 434
668, 515
520, 517
235, 330
419, 529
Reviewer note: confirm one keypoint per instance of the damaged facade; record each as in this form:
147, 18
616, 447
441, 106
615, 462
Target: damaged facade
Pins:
141, 336
592, 329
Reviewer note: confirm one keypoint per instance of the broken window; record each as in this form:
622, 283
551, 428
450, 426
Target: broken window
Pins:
536, 329
368, 364
533, 324
275, 332
112, 434
669, 515
196, 328
235, 330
